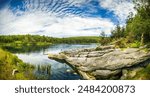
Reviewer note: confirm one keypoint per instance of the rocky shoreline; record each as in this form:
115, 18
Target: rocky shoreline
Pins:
104, 62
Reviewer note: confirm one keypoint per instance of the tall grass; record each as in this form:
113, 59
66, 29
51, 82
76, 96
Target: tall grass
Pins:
12, 68
43, 72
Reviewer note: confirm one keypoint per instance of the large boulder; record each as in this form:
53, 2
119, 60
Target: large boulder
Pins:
102, 62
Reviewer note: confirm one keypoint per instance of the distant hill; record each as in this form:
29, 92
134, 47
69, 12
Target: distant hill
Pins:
34, 39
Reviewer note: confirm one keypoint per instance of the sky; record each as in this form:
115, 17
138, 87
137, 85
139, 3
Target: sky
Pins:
62, 18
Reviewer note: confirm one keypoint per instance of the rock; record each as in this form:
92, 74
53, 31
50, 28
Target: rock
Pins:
131, 73
105, 47
75, 73
105, 73
124, 74
103, 62
86, 76
68, 70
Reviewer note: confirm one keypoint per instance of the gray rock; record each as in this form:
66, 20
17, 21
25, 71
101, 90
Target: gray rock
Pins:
105, 73
104, 62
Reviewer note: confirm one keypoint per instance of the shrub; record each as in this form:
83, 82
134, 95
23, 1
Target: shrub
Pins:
135, 44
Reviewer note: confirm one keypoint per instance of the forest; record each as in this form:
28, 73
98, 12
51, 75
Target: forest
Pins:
35, 39
136, 32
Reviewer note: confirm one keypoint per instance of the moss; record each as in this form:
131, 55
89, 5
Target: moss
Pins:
139, 74
146, 50
9, 63
143, 74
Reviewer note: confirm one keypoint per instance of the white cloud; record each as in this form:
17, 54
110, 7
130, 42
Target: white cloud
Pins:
79, 2
121, 8
44, 24
75, 26
27, 23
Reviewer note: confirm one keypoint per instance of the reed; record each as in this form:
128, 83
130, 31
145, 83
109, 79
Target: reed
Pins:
43, 72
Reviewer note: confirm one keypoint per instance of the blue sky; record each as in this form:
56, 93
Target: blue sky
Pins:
62, 18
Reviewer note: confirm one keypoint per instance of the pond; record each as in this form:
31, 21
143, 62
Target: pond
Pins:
59, 71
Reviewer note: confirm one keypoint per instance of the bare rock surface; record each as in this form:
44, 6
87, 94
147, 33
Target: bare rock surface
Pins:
101, 62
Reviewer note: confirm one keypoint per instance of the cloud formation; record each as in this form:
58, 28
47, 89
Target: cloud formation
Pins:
121, 8
41, 23
60, 18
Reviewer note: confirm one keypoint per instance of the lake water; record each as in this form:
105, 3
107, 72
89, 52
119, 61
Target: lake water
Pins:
59, 71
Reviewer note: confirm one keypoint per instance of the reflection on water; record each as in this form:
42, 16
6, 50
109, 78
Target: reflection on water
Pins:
59, 71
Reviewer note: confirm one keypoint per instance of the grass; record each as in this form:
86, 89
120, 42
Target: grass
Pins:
43, 72
9, 63
143, 74
125, 43
139, 74
135, 44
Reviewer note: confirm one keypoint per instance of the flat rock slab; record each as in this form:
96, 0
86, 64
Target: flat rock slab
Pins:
101, 62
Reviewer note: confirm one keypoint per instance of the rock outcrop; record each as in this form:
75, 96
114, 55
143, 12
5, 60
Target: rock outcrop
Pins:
104, 62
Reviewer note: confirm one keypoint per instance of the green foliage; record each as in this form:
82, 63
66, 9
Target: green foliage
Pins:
80, 40
28, 40
13, 48
124, 43
120, 43
24, 39
105, 41
43, 72
137, 30
135, 44
30, 43
139, 25
139, 74
118, 32
9, 63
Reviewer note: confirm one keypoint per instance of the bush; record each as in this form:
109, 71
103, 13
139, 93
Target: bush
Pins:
135, 44
121, 43
105, 41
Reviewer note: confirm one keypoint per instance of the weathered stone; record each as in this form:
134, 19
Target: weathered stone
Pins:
131, 73
105, 73
104, 62
105, 47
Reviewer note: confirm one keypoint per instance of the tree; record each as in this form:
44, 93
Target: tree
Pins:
102, 34
118, 32
139, 25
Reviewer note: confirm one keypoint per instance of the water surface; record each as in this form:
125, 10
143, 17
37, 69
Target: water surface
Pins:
59, 71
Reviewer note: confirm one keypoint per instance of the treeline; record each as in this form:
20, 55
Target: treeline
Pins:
26, 39
80, 40
137, 29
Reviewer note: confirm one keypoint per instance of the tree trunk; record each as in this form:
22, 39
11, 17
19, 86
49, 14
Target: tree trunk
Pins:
142, 39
